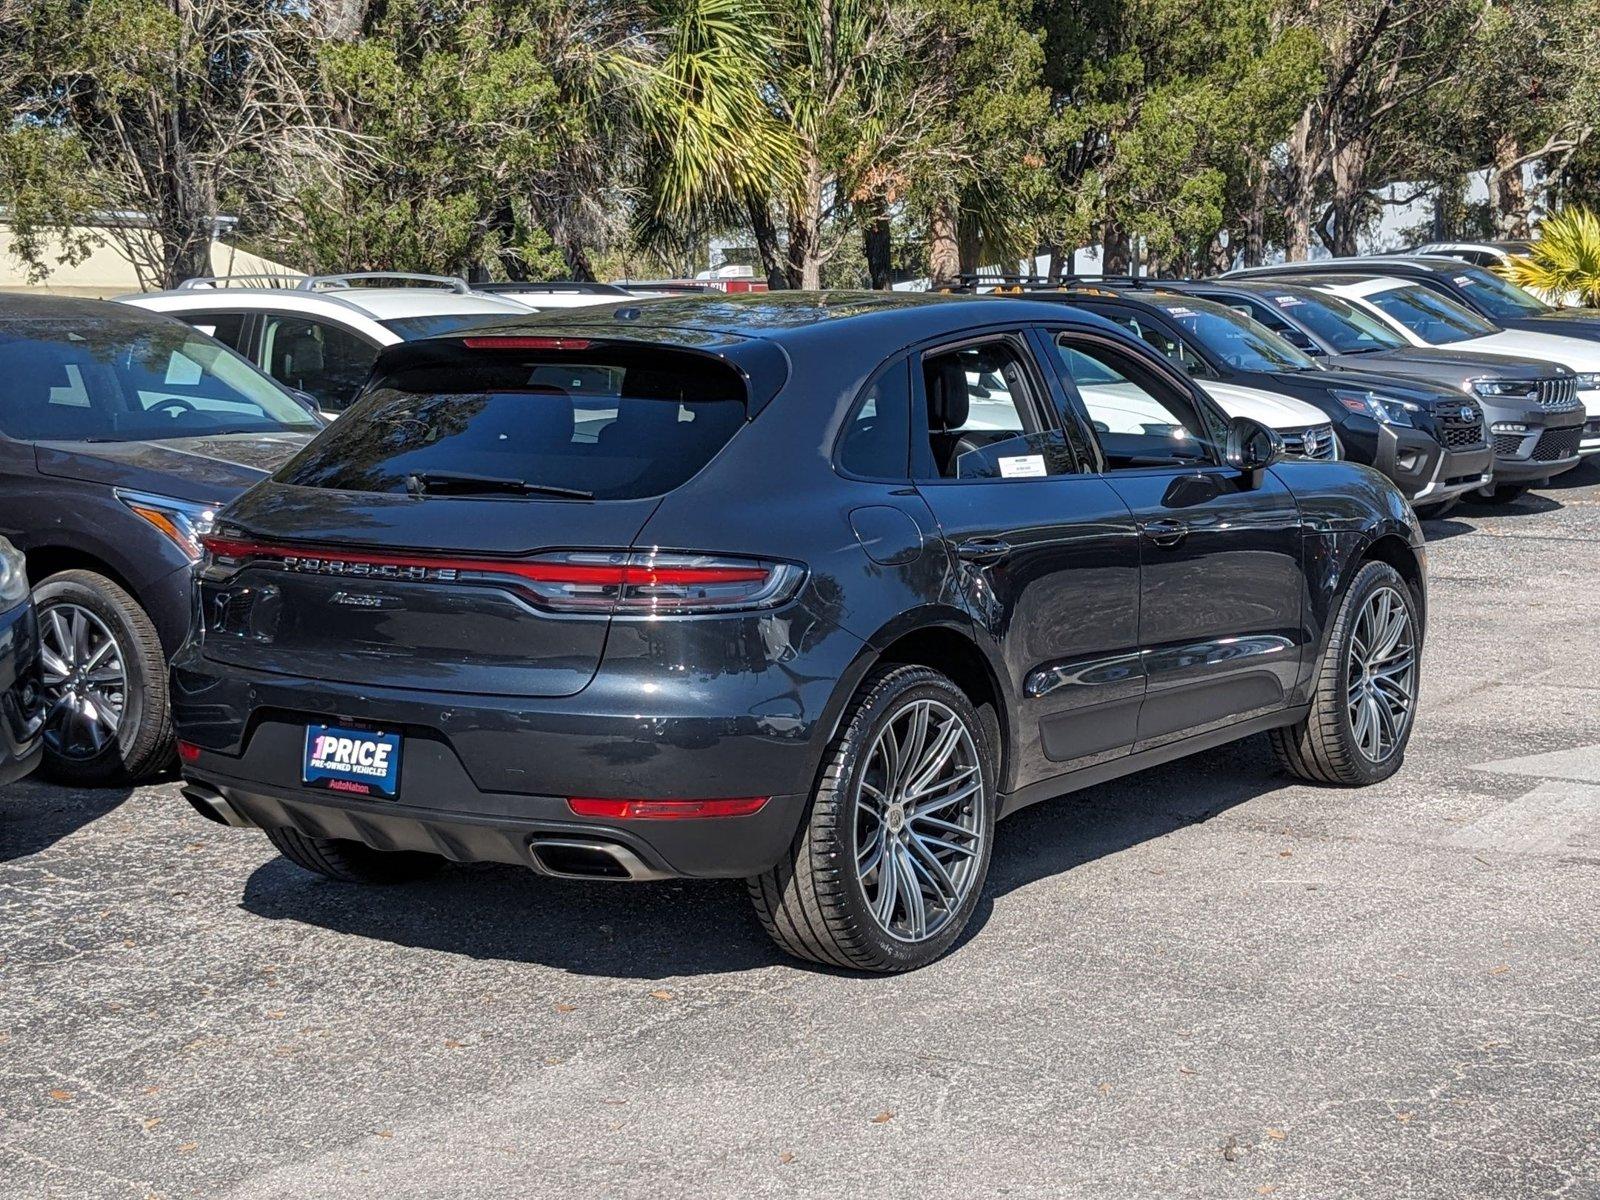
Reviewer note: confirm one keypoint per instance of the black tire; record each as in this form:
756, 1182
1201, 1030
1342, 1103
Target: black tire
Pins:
143, 742
1499, 493
1323, 747
352, 862
1435, 512
812, 903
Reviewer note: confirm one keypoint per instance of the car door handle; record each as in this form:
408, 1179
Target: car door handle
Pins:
1166, 532
981, 550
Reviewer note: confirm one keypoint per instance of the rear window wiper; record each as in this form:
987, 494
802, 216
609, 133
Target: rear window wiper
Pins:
440, 483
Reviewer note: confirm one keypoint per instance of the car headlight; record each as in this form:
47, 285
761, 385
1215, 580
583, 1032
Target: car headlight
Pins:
1519, 388
1589, 381
181, 521
1386, 410
13, 575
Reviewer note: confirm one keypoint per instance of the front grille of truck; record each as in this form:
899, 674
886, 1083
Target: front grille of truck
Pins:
1556, 395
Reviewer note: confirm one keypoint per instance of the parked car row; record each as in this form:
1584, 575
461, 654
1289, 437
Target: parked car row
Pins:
1437, 396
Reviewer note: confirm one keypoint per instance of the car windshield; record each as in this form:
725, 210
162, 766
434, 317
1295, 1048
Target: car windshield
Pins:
115, 380
1341, 325
1239, 341
435, 324
1495, 296
1436, 319
617, 425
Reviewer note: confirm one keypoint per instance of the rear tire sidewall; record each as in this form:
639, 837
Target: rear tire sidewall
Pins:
144, 739
891, 953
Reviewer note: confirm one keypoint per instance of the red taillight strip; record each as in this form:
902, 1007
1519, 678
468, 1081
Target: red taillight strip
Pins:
665, 810
538, 572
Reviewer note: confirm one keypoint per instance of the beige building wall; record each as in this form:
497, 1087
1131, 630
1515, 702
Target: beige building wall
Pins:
106, 272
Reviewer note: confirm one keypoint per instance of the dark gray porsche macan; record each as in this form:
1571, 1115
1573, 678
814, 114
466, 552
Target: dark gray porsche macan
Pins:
807, 589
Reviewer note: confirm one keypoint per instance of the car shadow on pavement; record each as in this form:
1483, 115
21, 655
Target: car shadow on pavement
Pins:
35, 815
694, 927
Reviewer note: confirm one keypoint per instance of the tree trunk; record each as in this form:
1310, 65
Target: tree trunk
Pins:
1299, 190
944, 250
1115, 255
1255, 229
767, 245
1349, 198
878, 245
805, 227
1508, 197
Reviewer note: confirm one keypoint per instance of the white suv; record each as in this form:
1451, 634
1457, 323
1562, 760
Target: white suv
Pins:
320, 334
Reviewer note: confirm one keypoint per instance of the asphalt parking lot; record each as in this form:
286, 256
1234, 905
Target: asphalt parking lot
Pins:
1200, 981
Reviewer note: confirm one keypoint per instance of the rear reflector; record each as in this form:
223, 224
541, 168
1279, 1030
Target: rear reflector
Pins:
664, 810
188, 751
526, 343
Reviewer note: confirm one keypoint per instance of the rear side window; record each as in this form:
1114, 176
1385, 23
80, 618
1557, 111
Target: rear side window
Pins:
877, 439
614, 425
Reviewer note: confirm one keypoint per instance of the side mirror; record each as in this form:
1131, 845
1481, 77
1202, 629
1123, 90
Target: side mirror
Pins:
308, 402
1252, 447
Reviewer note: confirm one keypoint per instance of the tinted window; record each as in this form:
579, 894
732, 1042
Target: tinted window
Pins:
876, 441
120, 381
1435, 319
317, 358
1159, 340
1242, 343
1140, 419
227, 328
615, 426
981, 419
1496, 296
1341, 325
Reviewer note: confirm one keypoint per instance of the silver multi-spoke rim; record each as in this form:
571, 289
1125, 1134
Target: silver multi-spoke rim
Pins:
919, 821
85, 681
1382, 680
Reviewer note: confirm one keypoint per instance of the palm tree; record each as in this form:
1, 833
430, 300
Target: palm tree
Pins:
1565, 260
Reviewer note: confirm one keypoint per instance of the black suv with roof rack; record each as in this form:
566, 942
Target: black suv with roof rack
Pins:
1520, 397
1429, 441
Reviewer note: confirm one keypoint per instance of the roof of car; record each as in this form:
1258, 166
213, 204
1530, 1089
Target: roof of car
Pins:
1417, 263
382, 296
35, 306
774, 315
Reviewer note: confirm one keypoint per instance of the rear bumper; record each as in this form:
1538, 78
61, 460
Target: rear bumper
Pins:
482, 776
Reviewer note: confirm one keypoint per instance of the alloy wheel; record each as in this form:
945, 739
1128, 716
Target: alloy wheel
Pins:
1382, 675
85, 681
919, 821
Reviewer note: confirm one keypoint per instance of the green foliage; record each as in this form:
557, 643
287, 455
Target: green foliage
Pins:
1564, 260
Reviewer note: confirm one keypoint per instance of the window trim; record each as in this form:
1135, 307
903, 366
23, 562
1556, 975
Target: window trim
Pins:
1161, 367
1038, 401
903, 362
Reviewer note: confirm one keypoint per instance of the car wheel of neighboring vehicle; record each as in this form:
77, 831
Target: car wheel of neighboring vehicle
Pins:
1499, 493
105, 682
1365, 701
887, 869
352, 862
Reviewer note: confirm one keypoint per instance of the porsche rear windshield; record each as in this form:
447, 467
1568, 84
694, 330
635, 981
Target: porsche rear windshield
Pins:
579, 425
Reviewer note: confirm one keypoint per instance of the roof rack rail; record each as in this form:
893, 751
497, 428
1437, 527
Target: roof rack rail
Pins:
313, 283
966, 282
267, 280
553, 285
